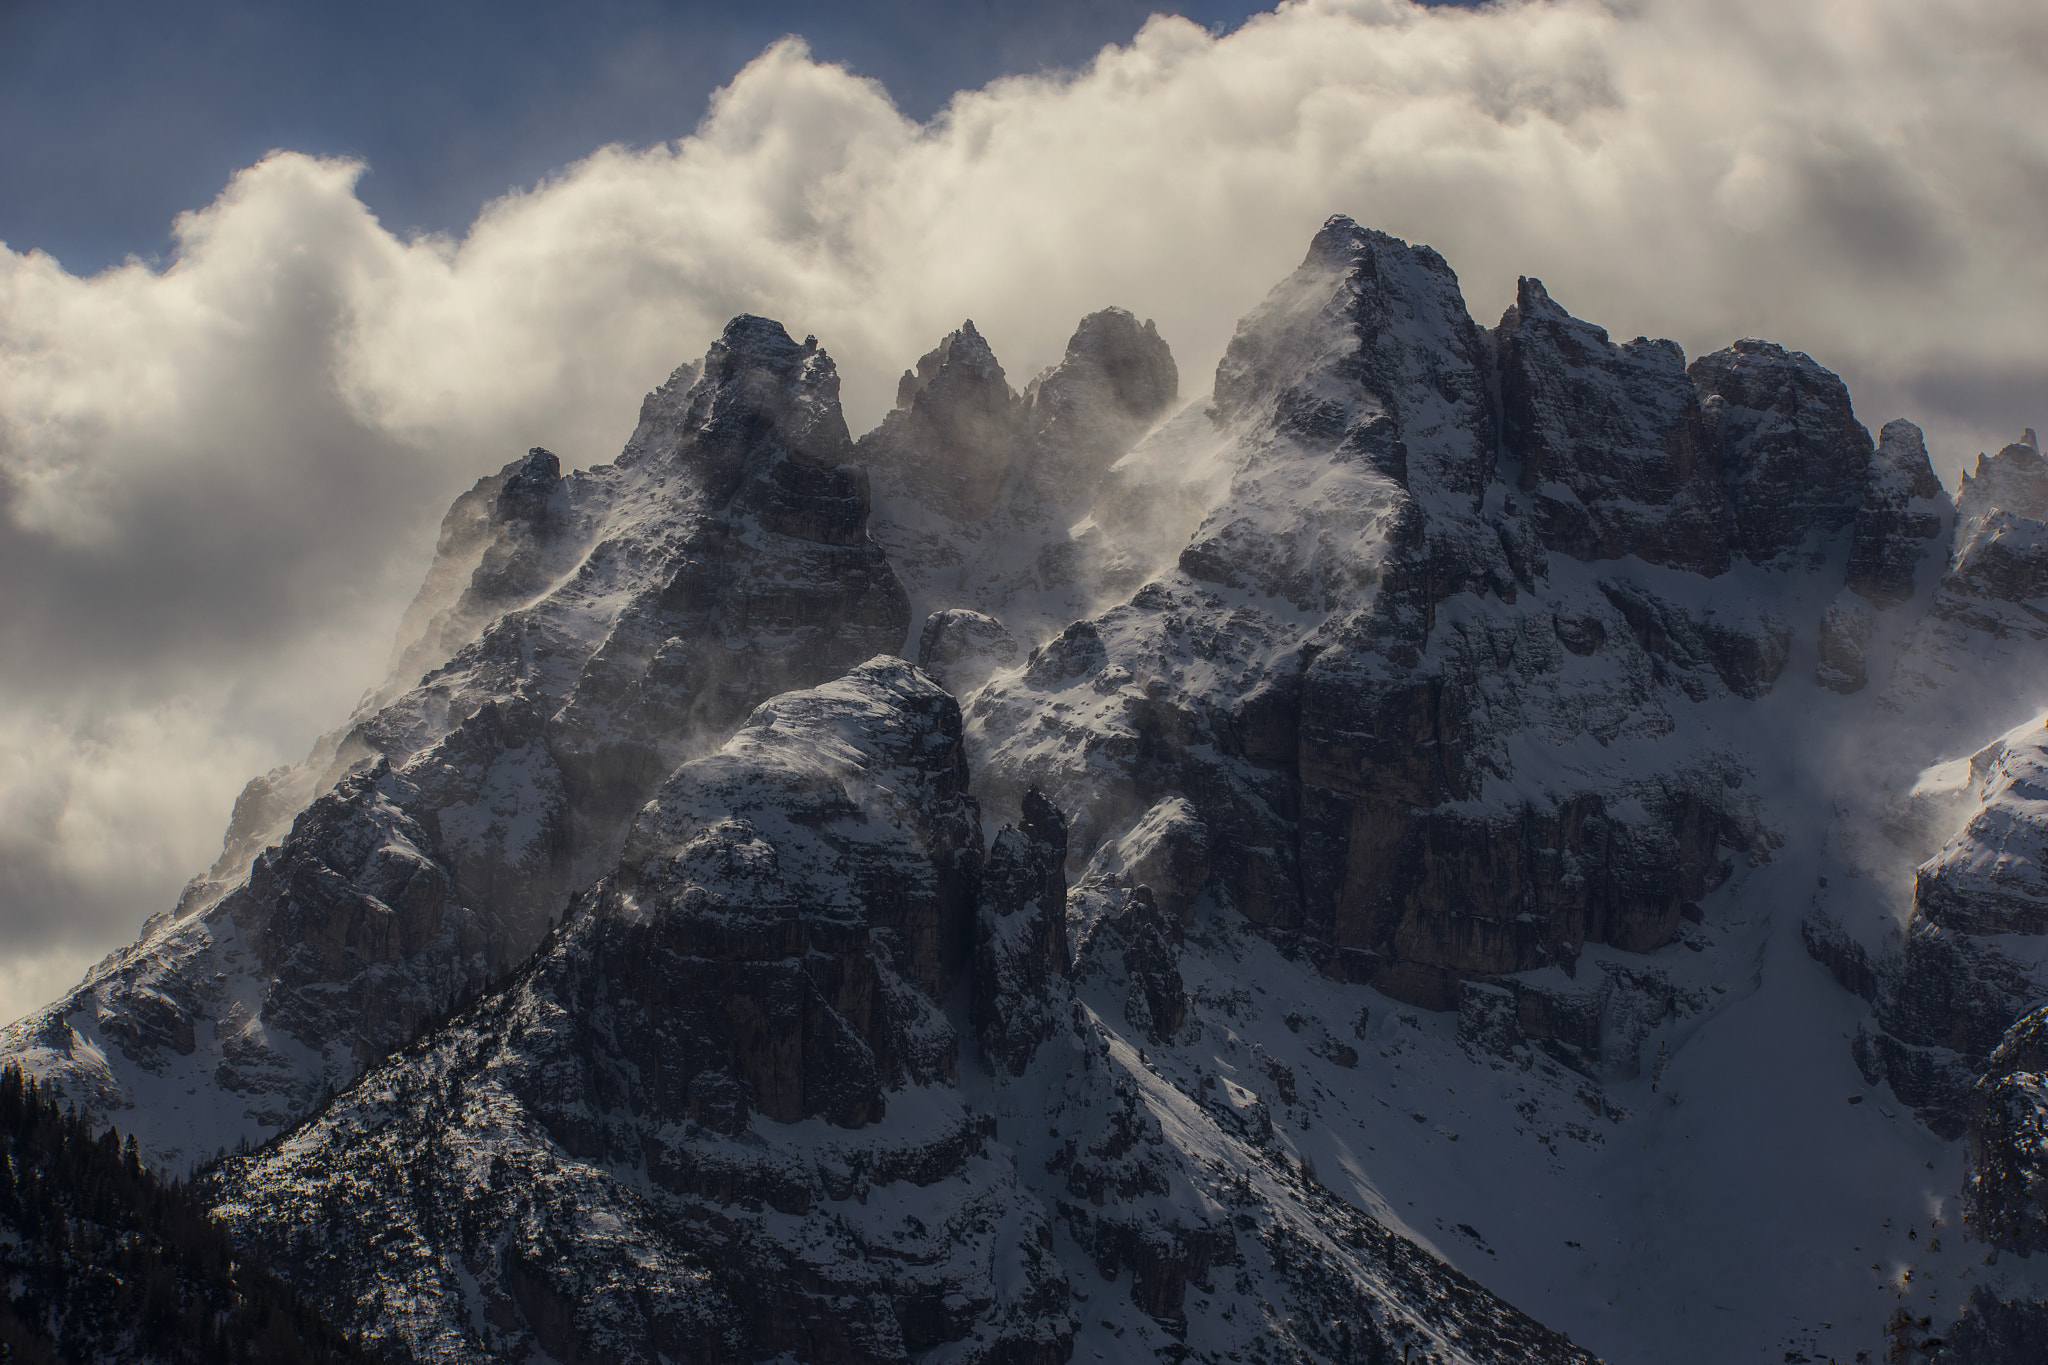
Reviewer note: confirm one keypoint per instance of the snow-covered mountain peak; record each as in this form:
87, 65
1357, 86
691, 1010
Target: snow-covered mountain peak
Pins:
579, 636
1338, 846
2015, 481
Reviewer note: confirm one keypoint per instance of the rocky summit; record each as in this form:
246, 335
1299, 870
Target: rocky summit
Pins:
1455, 843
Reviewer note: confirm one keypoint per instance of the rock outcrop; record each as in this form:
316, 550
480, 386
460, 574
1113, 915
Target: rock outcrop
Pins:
1974, 955
1334, 675
614, 621
961, 648
1901, 510
1793, 456
1973, 657
714, 1117
2006, 1196
980, 492
1020, 940
1610, 441
1840, 664
627, 1121
635, 976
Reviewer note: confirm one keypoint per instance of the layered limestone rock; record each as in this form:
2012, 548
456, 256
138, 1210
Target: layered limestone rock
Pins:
1593, 1023
1973, 956
611, 622
1166, 852
1793, 456
1364, 632
957, 430
1116, 379
714, 1118
1901, 511
1941, 930
1020, 940
2006, 1195
1422, 655
736, 1026
1998, 557
1610, 441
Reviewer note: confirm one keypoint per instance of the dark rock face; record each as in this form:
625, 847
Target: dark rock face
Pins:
1844, 636
1900, 511
1166, 852
1792, 454
1338, 769
1690, 651
1995, 1331
626, 1121
713, 1118
1020, 940
959, 440
784, 962
961, 648
1975, 652
1595, 1024
2006, 1193
1610, 441
1134, 945
609, 623
1969, 963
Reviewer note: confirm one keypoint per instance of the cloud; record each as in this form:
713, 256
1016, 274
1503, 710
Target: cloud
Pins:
219, 476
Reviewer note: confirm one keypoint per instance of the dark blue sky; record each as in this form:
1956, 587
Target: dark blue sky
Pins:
116, 115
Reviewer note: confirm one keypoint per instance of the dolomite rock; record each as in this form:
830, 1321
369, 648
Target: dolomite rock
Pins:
1901, 509
1419, 655
1790, 450
1610, 441
961, 648
1020, 947
1844, 636
612, 622
957, 429
1133, 945
714, 1117
1595, 1024
1116, 378
1974, 957
1970, 661
1167, 852
2000, 559
1332, 672
2006, 1192
626, 1122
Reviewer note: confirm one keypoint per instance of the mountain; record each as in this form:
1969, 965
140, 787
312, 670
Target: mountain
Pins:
578, 635
1454, 817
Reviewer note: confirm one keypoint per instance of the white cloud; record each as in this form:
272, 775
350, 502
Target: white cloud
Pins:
208, 464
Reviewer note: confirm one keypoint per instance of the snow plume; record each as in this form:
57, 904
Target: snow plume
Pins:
219, 474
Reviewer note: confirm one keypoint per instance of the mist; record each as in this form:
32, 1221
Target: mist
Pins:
221, 475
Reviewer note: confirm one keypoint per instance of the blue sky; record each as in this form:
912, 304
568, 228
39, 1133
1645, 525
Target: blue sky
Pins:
115, 116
